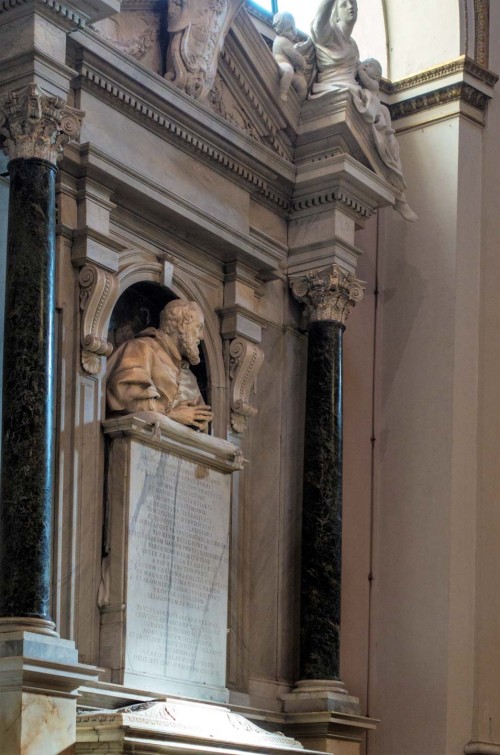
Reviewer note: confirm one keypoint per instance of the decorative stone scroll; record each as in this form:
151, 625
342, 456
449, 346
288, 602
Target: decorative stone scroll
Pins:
199, 724
328, 295
36, 124
98, 289
246, 360
197, 33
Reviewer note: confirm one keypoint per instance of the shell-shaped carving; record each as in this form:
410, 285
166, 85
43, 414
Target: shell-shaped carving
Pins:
91, 362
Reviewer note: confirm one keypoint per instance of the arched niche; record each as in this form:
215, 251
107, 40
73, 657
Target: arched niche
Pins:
100, 292
138, 308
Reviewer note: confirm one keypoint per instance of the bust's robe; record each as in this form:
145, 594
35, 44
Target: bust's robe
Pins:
148, 373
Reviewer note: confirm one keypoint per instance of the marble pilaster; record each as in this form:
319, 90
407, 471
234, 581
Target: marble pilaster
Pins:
328, 297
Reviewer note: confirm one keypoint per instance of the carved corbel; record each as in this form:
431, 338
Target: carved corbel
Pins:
97, 298
246, 360
197, 32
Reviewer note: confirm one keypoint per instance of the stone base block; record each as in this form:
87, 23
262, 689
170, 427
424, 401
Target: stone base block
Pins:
39, 680
338, 733
317, 695
324, 717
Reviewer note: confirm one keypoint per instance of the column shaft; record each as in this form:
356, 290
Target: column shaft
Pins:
322, 505
28, 392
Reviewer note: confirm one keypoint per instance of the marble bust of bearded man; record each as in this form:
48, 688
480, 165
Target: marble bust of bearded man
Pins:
151, 371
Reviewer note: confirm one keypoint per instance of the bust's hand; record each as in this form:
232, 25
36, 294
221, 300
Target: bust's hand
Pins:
187, 413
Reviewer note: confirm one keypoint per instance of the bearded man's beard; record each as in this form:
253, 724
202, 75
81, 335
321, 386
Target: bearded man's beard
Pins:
189, 348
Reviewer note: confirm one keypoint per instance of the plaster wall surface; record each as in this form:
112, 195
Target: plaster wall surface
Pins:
426, 388
421, 35
359, 350
487, 660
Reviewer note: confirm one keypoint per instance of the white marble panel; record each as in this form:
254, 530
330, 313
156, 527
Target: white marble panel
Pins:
177, 586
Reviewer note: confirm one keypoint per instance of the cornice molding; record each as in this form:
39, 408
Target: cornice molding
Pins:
339, 195
72, 17
68, 15
462, 65
460, 92
188, 139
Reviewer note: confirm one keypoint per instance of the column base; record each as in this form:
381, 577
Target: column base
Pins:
324, 717
26, 624
39, 680
314, 695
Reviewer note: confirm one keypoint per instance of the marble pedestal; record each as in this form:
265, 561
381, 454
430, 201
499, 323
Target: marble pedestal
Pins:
39, 681
164, 601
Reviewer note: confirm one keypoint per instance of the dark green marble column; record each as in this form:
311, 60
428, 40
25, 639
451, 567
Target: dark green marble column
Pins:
34, 129
322, 505
28, 392
328, 296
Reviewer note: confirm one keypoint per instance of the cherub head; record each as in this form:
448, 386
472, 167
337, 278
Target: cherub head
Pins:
284, 25
372, 68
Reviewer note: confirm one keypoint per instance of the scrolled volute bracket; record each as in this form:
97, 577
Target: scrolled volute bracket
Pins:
97, 297
245, 362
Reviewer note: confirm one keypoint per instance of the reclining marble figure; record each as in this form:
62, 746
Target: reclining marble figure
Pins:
333, 64
151, 371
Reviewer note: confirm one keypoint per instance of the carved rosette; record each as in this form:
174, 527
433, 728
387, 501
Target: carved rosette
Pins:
36, 124
329, 295
197, 32
246, 360
97, 297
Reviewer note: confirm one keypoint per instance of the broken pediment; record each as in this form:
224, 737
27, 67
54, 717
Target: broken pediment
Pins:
246, 89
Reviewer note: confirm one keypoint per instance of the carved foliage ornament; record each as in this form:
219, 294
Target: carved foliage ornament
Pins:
246, 360
328, 295
197, 30
37, 124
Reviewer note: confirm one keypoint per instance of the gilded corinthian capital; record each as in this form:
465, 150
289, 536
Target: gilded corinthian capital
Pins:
36, 124
329, 295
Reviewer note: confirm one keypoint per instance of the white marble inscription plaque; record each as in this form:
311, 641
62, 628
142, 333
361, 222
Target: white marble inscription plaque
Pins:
177, 587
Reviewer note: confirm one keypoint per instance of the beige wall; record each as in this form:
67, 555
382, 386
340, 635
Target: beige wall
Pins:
487, 668
422, 622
